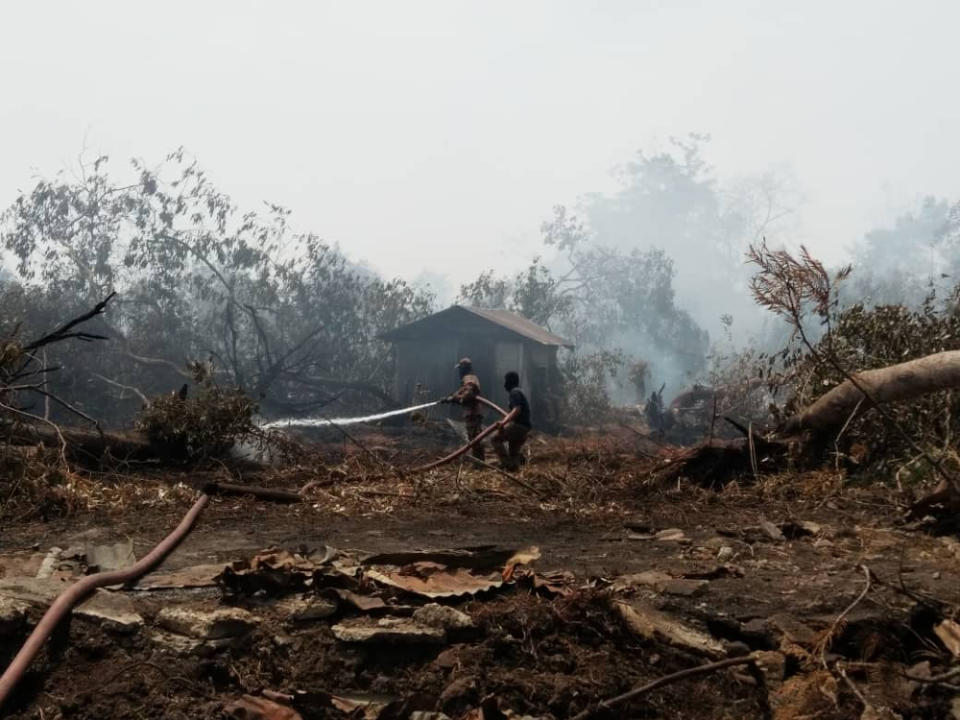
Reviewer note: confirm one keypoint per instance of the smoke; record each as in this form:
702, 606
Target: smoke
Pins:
673, 202
903, 263
436, 284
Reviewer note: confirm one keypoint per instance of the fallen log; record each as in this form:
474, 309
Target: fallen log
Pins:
713, 463
804, 438
83, 444
904, 381
222, 488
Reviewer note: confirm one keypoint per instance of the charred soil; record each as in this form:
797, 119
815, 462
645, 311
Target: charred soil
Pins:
633, 582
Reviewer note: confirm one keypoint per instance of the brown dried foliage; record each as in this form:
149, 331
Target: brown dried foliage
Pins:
789, 286
854, 339
202, 425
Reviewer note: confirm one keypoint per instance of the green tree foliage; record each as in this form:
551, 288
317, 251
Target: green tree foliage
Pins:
855, 338
204, 424
865, 337
283, 314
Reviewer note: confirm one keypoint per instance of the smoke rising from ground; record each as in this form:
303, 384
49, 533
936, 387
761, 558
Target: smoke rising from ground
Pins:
429, 143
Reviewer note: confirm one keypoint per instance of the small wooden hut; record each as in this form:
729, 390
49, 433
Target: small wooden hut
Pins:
496, 340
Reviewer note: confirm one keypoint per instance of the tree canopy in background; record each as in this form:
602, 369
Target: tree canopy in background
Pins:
281, 314
639, 278
648, 271
917, 254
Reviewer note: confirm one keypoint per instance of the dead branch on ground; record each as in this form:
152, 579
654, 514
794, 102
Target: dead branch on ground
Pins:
662, 681
836, 625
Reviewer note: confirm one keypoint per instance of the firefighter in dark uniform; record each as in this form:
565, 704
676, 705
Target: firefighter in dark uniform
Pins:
510, 438
466, 397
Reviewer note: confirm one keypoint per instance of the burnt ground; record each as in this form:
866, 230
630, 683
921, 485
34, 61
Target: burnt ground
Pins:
769, 568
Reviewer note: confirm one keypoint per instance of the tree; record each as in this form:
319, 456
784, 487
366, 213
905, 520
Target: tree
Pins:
673, 200
284, 315
603, 299
900, 264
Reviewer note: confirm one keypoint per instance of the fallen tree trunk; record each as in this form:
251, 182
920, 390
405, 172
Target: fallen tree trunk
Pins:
904, 381
803, 440
713, 463
805, 435
84, 444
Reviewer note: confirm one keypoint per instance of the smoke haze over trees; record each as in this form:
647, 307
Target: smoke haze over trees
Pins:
648, 281
654, 269
918, 254
284, 316
429, 149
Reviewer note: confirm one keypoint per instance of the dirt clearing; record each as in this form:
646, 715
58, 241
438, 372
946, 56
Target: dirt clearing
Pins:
467, 596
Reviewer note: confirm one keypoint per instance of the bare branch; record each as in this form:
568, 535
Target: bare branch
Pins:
132, 389
63, 331
665, 680
56, 428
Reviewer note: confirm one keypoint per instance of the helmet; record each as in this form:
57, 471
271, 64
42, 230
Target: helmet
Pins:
464, 364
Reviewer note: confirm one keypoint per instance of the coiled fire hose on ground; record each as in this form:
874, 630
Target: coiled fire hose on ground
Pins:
74, 594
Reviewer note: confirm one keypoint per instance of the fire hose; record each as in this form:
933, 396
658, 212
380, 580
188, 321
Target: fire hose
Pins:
491, 405
460, 451
77, 592
70, 597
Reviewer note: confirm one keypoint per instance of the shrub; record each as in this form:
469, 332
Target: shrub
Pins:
204, 424
585, 379
864, 338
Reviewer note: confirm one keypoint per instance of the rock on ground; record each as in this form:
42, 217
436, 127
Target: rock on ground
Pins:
443, 617
113, 612
662, 583
184, 646
387, 630
207, 624
13, 614
36, 591
307, 609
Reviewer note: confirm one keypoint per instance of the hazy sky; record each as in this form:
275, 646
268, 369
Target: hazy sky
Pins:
437, 135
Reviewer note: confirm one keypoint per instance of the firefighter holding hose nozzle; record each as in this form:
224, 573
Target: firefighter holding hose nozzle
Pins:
466, 397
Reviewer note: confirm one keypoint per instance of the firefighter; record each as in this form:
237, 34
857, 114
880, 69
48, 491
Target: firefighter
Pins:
514, 434
466, 397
